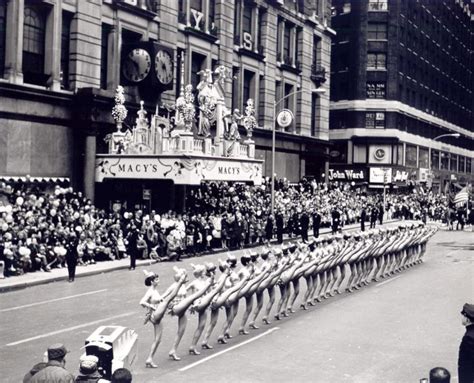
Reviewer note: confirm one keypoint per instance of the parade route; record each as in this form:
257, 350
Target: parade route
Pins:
391, 331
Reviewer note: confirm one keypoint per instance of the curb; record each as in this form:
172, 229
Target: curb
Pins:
87, 273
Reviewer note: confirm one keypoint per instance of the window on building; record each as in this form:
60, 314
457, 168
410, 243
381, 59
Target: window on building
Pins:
410, 156
248, 87
196, 4
261, 28
400, 155
316, 49
212, 13
288, 100
444, 161
377, 5
375, 120
468, 165
237, 21
376, 61
65, 32
435, 159
104, 52
423, 158
3, 22
377, 31
453, 164
462, 164
198, 62
34, 46
235, 87
287, 44
360, 154
247, 19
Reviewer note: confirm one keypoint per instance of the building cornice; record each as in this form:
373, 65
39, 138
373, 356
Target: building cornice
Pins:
398, 107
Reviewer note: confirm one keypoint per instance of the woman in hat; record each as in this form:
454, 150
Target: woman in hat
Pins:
183, 302
157, 305
201, 305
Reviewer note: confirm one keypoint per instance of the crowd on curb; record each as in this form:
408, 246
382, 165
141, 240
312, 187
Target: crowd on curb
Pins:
41, 230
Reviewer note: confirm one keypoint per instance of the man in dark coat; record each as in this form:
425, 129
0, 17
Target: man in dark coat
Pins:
336, 219
279, 222
132, 244
71, 256
269, 228
466, 349
363, 218
304, 223
374, 213
316, 223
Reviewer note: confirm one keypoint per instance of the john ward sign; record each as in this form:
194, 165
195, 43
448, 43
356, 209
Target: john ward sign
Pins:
182, 170
346, 175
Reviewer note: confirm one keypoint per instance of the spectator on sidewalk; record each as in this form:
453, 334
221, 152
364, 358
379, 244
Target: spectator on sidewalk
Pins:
316, 218
121, 375
466, 348
363, 218
54, 372
439, 375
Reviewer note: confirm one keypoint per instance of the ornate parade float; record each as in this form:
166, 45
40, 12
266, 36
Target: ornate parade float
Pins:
196, 140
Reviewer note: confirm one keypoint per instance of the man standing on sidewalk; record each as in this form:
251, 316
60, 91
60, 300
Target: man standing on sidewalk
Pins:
363, 218
316, 223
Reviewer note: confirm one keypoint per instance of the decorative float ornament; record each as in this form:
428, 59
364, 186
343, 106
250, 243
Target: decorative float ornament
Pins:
249, 120
119, 112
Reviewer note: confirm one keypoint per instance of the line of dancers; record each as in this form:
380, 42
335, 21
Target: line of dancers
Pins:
323, 263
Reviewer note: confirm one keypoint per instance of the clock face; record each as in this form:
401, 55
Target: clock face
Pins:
137, 65
164, 67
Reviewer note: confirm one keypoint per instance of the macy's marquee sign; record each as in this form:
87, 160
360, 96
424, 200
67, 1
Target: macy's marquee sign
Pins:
181, 170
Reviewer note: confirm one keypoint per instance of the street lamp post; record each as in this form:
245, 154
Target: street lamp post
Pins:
275, 104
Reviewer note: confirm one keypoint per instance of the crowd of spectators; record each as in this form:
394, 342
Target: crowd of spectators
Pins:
40, 230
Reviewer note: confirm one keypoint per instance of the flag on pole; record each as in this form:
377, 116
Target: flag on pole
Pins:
461, 197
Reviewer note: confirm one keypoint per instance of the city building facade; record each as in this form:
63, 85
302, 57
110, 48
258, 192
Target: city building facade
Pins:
401, 92
62, 60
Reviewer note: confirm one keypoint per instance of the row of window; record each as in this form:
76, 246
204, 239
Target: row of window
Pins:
415, 157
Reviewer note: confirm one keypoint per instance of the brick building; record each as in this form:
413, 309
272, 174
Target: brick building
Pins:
401, 76
61, 60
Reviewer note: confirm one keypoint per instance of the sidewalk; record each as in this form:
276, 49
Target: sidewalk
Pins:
41, 277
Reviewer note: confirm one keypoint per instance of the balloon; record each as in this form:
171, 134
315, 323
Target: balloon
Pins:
19, 201
78, 229
52, 212
209, 238
231, 190
9, 218
57, 192
215, 233
157, 218
56, 203
4, 226
76, 215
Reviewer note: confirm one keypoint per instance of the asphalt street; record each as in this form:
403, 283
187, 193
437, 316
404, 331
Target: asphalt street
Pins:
390, 331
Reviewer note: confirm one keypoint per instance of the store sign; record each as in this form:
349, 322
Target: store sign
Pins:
247, 41
380, 154
400, 176
375, 89
181, 170
346, 175
380, 175
197, 17
424, 174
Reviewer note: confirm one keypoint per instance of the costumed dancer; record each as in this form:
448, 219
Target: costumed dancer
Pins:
157, 305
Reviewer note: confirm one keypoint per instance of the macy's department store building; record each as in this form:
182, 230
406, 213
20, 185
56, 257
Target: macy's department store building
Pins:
61, 61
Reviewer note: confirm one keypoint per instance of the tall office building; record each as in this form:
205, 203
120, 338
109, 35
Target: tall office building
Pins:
401, 90
61, 61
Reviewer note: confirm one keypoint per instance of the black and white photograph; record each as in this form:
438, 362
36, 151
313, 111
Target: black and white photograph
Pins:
236, 191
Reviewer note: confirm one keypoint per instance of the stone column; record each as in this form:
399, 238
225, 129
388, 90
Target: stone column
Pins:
14, 41
255, 12
113, 56
53, 46
89, 166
